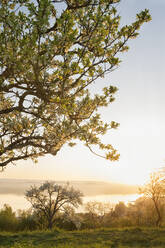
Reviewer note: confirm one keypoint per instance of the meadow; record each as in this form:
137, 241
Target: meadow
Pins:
99, 238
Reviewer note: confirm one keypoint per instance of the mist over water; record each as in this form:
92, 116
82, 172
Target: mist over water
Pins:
19, 201
12, 192
89, 188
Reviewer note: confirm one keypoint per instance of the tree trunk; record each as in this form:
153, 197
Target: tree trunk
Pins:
158, 221
50, 224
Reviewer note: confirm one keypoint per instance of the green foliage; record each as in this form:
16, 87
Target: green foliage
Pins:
8, 220
141, 213
48, 60
26, 220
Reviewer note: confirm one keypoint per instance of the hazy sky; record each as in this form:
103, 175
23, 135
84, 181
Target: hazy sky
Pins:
139, 108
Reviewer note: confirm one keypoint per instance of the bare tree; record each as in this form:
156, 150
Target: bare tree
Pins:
155, 190
50, 198
97, 211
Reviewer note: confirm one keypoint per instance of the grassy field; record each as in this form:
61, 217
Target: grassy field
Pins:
101, 238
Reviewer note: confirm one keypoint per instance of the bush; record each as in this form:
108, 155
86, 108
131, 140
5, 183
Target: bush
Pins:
8, 220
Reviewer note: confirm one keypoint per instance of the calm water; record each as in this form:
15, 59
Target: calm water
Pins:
19, 201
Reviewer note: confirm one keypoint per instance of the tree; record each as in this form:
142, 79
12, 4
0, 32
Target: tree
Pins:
8, 220
155, 190
97, 212
71, 217
50, 198
48, 60
120, 210
26, 220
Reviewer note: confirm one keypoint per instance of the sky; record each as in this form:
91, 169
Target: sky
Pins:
139, 108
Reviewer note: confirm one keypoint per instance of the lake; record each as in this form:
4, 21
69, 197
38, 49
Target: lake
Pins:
19, 201
12, 191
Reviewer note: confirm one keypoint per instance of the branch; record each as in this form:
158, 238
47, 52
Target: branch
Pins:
3, 164
18, 143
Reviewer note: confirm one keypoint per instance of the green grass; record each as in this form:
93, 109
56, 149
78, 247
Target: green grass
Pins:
100, 238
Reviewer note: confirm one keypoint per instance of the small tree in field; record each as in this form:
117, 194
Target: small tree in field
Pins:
48, 61
155, 190
97, 212
8, 220
50, 198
